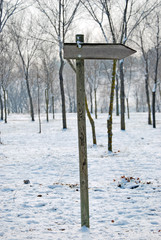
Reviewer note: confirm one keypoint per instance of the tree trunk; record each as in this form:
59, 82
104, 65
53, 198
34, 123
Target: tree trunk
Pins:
128, 112
1, 102
109, 121
91, 122
38, 96
1, 12
154, 91
117, 95
30, 99
91, 100
70, 104
147, 92
75, 106
122, 96
53, 107
61, 37
5, 106
153, 108
62, 91
156, 69
137, 103
47, 104
95, 100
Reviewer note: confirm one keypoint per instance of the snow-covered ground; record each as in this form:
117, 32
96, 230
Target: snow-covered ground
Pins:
124, 187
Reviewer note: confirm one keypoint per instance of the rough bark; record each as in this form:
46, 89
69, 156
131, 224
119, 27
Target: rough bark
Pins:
38, 102
83, 163
91, 100
53, 110
122, 96
5, 106
61, 35
127, 104
47, 104
91, 122
109, 121
147, 92
30, 98
156, 70
137, 103
153, 109
95, 100
70, 103
117, 95
1, 11
1, 103
62, 92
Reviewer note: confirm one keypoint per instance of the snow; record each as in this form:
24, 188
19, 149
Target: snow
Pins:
79, 44
154, 88
39, 180
121, 61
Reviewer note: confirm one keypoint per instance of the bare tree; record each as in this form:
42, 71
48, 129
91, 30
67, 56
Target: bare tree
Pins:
27, 48
117, 94
121, 28
70, 87
6, 66
157, 57
8, 8
38, 100
48, 67
60, 15
87, 110
92, 77
145, 54
129, 69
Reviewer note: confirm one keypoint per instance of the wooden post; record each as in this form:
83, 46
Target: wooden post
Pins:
83, 165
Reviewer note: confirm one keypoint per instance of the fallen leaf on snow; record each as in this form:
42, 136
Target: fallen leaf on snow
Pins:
39, 195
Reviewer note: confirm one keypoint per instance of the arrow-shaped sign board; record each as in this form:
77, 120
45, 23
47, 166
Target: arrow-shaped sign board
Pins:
107, 51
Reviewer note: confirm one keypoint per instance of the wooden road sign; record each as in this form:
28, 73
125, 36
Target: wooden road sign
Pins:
107, 51
81, 51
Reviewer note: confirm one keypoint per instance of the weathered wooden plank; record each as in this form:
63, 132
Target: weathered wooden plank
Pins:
83, 166
97, 51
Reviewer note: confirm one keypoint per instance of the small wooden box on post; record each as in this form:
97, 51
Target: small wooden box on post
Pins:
81, 51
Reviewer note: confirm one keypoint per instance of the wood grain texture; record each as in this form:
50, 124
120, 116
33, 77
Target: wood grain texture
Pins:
83, 165
97, 51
